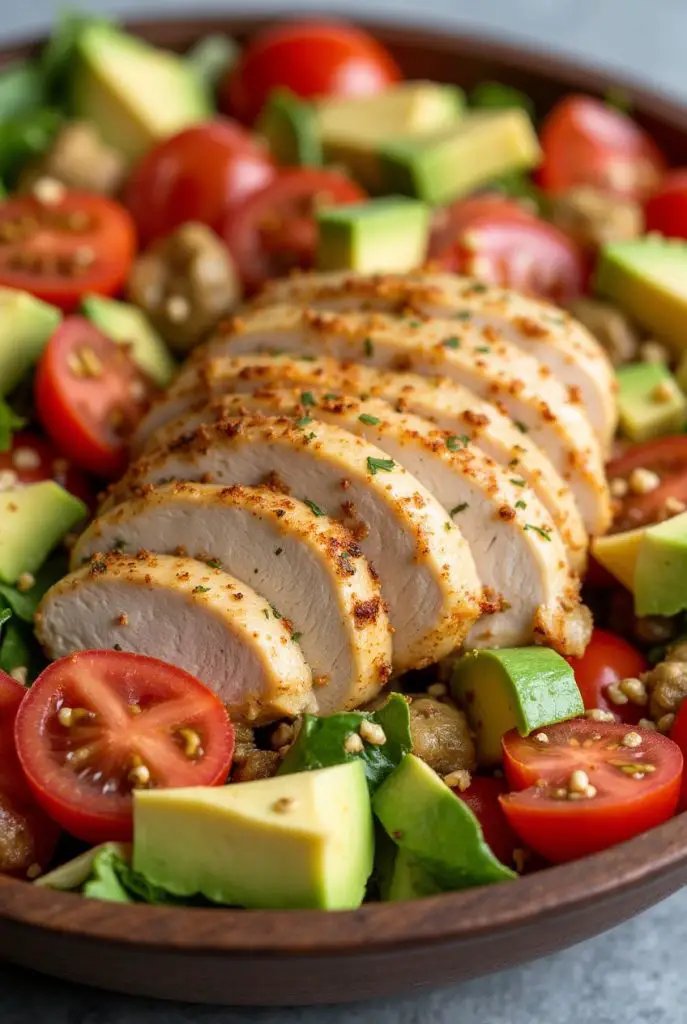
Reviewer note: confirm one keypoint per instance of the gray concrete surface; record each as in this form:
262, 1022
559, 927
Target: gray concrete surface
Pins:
635, 974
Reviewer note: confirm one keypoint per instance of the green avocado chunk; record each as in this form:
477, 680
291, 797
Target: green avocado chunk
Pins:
647, 279
32, 521
293, 841
290, 126
25, 327
436, 833
650, 402
384, 235
660, 577
520, 688
442, 167
136, 94
129, 325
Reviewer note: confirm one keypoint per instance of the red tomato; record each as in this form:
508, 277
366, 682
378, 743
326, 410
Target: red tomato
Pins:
522, 253
130, 721
33, 459
482, 797
27, 836
449, 222
607, 660
666, 456
311, 58
89, 394
586, 142
634, 788
679, 735
60, 250
274, 231
199, 174
666, 210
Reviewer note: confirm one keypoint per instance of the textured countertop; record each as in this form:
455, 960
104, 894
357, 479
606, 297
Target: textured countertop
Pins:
634, 974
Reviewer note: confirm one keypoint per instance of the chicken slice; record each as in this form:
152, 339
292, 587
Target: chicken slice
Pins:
201, 619
519, 555
448, 405
427, 574
555, 338
520, 385
309, 568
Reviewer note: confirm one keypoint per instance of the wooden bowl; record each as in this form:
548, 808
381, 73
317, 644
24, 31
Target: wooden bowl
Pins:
262, 958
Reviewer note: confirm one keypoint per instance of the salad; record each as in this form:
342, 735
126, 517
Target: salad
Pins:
343, 504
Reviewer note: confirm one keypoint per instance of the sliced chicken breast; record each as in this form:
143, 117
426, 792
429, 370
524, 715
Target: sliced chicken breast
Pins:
554, 337
520, 385
201, 619
519, 555
448, 405
308, 567
427, 574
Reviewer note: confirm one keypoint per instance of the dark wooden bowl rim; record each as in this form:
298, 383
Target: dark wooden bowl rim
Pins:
474, 914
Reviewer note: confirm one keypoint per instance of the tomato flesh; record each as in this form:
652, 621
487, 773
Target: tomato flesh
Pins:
275, 231
666, 456
678, 734
198, 175
449, 222
311, 58
33, 459
89, 395
608, 659
522, 253
97, 724
482, 797
666, 210
586, 142
635, 788
27, 836
61, 250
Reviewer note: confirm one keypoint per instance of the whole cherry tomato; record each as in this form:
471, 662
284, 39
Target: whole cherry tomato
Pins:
607, 660
666, 210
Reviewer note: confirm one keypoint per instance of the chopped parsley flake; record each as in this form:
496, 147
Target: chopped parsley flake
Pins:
214, 564
200, 590
307, 359
462, 314
482, 348
117, 647
451, 342
330, 396
296, 637
516, 482
522, 427
453, 443
459, 508
315, 509
98, 566
368, 347
303, 421
375, 465
521, 504
371, 421
265, 613
276, 614
415, 323
448, 527
478, 289
538, 529
278, 551
309, 437
118, 544
307, 398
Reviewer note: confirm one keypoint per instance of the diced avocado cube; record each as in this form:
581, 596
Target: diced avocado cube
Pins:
136, 94
352, 128
618, 553
650, 402
290, 126
294, 841
439, 168
660, 580
33, 519
387, 234
647, 279
521, 688
129, 325
436, 833
26, 324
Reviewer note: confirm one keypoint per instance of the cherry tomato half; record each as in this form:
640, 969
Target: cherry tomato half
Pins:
607, 660
666, 456
97, 724
449, 222
586, 142
634, 788
311, 58
522, 253
678, 735
666, 210
197, 175
60, 250
274, 230
33, 458
27, 836
482, 797
89, 394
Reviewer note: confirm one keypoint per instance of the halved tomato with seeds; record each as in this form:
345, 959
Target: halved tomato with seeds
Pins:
60, 249
98, 724
583, 786
89, 395
666, 457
